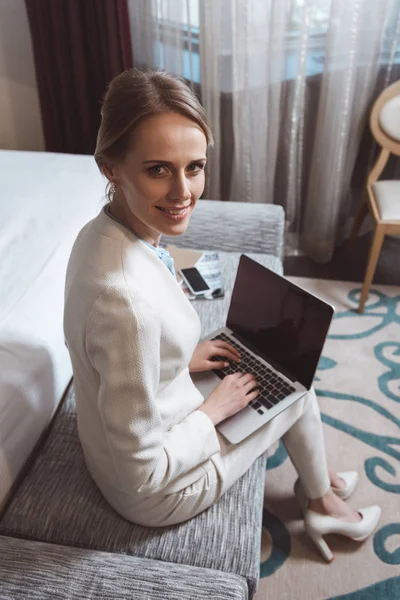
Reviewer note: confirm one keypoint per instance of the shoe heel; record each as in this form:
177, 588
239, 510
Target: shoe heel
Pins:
322, 546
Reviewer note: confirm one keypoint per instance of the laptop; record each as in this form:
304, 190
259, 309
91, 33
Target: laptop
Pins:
279, 330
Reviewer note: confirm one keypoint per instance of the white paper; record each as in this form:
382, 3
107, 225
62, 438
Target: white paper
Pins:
209, 267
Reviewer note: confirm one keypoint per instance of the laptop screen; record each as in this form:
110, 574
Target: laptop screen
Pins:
281, 322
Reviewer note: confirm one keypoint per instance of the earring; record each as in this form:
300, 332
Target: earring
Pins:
114, 187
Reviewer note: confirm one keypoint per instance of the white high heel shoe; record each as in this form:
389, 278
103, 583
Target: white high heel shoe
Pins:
318, 525
349, 477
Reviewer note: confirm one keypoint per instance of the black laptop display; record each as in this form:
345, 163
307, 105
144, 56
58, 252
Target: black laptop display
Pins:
276, 319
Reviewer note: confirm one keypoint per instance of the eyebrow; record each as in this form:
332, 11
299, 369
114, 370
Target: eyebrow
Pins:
170, 164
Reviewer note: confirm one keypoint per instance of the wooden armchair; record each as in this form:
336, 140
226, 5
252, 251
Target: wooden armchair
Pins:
382, 197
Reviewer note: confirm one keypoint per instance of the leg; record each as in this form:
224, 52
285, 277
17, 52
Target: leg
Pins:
300, 428
304, 442
336, 481
220, 472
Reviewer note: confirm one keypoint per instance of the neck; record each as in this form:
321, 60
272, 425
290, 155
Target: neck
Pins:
124, 215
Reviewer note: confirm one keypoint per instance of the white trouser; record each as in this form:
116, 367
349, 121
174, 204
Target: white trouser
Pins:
300, 428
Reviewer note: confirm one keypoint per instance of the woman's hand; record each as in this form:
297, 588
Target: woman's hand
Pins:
230, 396
205, 351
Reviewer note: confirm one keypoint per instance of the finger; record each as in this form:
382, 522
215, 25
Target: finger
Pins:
224, 352
239, 375
219, 365
248, 377
220, 344
245, 377
250, 385
252, 395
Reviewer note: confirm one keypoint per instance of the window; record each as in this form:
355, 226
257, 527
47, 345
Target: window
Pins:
179, 22
184, 12
176, 27
319, 16
176, 23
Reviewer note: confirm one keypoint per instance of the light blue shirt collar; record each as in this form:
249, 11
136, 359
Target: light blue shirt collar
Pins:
162, 253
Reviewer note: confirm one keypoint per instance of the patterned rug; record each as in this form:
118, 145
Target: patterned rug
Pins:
358, 386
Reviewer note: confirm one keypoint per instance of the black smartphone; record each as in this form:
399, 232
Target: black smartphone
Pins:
194, 281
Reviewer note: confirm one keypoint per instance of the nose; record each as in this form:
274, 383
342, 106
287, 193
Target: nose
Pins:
180, 189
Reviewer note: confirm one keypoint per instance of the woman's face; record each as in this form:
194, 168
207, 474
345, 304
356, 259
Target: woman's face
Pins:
162, 176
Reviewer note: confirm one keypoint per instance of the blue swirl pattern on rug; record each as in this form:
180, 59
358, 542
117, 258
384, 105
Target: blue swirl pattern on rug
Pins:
280, 544
387, 303
384, 309
391, 558
386, 444
386, 590
277, 458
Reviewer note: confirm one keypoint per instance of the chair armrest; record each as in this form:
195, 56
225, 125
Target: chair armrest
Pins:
234, 227
62, 572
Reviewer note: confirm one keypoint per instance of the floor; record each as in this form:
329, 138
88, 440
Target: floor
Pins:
349, 264
358, 394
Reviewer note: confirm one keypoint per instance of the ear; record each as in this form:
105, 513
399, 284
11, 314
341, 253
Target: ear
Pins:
109, 171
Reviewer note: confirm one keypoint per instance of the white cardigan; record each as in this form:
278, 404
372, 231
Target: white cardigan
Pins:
131, 333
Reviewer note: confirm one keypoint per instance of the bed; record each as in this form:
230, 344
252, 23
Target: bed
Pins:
45, 200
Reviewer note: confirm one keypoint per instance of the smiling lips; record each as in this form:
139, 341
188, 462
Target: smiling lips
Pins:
175, 214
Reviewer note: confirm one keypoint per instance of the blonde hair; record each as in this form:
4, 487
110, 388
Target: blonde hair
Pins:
133, 95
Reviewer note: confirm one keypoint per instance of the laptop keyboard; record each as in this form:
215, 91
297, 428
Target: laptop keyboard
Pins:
272, 388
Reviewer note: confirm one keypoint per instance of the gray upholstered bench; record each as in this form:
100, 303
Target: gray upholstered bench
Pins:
52, 572
59, 531
58, 502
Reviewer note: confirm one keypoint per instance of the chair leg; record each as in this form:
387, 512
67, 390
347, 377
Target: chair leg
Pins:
362, 213
379, 235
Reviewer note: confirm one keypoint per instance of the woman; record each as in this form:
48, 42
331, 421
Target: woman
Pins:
148, 435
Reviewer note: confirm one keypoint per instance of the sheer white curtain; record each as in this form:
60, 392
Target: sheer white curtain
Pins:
287, 85
165, 35
243, 58
352, 61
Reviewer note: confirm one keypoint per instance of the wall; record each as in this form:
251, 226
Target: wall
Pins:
20, 121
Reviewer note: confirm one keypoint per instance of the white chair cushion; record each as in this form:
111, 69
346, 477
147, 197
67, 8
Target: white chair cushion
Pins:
389, 118
387, 194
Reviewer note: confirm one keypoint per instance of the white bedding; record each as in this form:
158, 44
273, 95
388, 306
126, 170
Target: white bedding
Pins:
45, 200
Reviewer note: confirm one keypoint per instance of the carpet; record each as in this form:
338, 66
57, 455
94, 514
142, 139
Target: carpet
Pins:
358, 387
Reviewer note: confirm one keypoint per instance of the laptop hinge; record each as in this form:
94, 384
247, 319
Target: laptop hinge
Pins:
274, 364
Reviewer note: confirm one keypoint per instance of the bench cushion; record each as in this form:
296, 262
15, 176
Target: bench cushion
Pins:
58, 502
233, 226
50, 572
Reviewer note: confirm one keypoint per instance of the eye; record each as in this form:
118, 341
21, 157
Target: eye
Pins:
196, 167
157, 170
